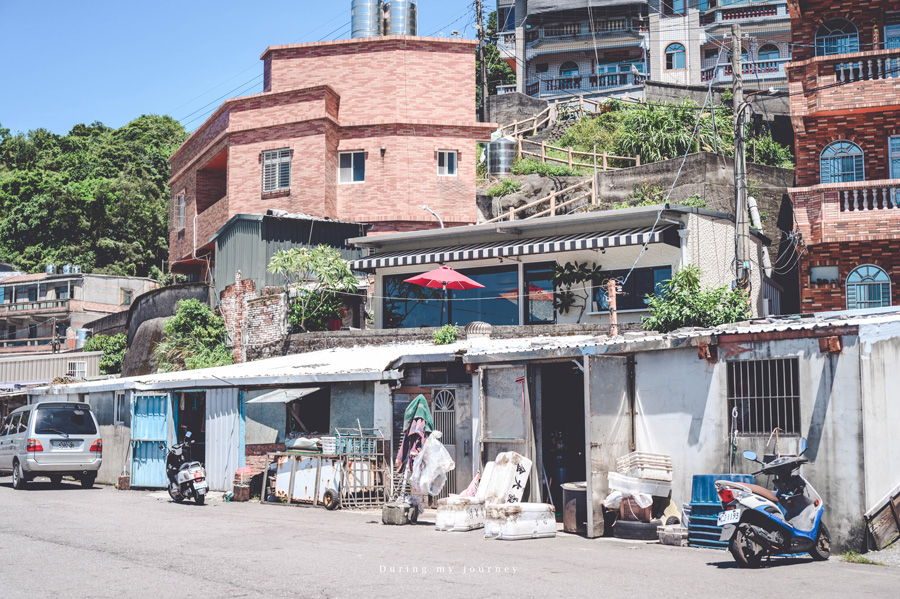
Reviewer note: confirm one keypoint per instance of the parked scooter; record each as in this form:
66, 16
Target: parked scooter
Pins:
757, 522
187, 479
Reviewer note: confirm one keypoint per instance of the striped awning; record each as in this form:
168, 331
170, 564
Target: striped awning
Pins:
523, 247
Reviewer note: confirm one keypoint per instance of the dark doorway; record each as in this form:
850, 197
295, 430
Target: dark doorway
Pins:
562, 426
190, 416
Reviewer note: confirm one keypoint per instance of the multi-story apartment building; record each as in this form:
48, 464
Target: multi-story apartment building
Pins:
596, 47
845, 109
564, 47
38, 309
362, 130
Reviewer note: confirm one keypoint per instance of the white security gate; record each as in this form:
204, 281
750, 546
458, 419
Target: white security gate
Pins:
224, 437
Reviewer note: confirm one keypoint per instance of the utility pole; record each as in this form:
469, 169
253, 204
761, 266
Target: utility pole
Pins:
611, 301
741, 221
484, 85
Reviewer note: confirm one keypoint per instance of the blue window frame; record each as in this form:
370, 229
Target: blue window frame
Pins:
768, 52
868, 286
837, 36
841, 162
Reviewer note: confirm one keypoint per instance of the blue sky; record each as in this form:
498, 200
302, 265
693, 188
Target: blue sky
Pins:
64, 62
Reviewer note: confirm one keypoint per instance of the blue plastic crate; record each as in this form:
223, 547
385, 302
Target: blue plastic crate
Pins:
703, 530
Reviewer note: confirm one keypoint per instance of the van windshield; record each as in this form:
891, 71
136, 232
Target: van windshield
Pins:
65, 420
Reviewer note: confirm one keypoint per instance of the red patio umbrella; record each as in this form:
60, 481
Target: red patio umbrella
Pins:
444, 278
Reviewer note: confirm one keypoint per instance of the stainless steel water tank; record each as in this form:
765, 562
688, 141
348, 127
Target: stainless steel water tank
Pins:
366, 18
500, 155
400, 18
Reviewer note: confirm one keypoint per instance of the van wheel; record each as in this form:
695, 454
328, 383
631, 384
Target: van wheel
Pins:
18, 476
822, 549
55, 479
87, 481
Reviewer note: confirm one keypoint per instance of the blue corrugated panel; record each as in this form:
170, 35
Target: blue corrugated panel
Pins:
703, 531
149, 430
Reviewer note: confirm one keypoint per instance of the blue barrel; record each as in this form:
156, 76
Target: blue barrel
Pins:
703, 527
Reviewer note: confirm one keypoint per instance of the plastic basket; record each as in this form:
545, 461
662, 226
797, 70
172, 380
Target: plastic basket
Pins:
655, 466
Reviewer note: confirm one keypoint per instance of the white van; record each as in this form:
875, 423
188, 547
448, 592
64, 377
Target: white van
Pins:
52, 439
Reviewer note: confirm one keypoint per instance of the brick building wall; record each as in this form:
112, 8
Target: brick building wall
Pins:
252, 319
255, 456
846, 256
410, 96
867, 15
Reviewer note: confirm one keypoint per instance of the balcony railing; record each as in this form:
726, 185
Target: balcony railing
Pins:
749, 12
60, 305
552, 87
878, 67
768, 69
27, 344
506, 89
878, 197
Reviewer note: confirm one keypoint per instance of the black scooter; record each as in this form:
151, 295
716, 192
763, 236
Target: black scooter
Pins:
187, 479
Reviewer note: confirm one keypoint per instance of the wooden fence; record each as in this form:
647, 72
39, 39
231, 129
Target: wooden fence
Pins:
551, 201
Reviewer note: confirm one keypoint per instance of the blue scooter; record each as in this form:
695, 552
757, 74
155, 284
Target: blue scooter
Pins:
758, 522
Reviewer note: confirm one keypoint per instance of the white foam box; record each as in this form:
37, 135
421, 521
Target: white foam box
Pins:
631, 486
673, 535
637, 464
516, 521
459, 514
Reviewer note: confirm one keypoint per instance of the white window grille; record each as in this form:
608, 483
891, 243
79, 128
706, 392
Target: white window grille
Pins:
352, 167
447, 161
764, 395
77, 370
276, 171
121, 409
180, 209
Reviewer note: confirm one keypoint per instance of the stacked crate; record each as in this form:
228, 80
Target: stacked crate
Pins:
703, 527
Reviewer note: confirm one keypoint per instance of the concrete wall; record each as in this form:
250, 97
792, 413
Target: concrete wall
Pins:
116, 438
161, 303
352, 402
510, 108
682, 410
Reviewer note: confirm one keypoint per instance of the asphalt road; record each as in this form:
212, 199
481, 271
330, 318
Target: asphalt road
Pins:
70, 542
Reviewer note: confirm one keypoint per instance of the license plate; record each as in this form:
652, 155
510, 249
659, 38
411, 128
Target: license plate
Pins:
200, 484
729, 517
66, 444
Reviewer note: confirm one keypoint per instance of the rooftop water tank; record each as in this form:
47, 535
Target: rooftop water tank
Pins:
400, 18
50, 269
500, 156
366, 18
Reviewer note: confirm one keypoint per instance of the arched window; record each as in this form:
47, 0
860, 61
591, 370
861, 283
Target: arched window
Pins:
675, 58
768, 52
840, 162
836, 36
868, 287
569, 69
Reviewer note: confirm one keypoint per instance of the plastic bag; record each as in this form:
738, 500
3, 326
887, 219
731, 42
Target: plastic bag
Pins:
430, 468
643, 500
613, 500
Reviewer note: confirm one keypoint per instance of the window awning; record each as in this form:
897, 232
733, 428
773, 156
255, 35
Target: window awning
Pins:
284, 395
523, 247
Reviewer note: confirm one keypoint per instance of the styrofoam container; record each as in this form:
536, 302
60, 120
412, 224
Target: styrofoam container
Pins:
674, 535
459, 514
515, 521
329, 445
629, 485
637, 464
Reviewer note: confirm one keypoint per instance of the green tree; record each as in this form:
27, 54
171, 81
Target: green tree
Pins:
97, 197
317, 276
113, 348
194, 338
498, 70
683, 303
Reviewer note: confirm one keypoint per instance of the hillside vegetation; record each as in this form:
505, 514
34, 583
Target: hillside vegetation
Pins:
659, 131
97, 197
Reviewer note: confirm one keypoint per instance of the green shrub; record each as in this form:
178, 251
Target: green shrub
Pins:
113, 348
505, 187
532, 166
446, 334
194, 338
683, 303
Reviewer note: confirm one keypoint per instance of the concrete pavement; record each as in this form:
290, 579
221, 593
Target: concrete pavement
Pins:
107, 543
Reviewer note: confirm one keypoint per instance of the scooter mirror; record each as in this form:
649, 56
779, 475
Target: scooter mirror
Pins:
802, 445
750, 455
188, 434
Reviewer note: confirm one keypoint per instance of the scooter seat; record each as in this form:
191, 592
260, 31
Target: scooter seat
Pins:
762, 492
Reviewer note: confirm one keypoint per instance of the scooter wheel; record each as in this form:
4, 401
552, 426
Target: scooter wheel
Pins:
175, 496
331, 500
821, 551
199, 499
745, 552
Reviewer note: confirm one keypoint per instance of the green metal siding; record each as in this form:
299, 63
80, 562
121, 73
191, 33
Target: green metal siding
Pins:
249, 245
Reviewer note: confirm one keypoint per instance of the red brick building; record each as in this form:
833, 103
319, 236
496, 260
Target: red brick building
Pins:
845, 108
361, 130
